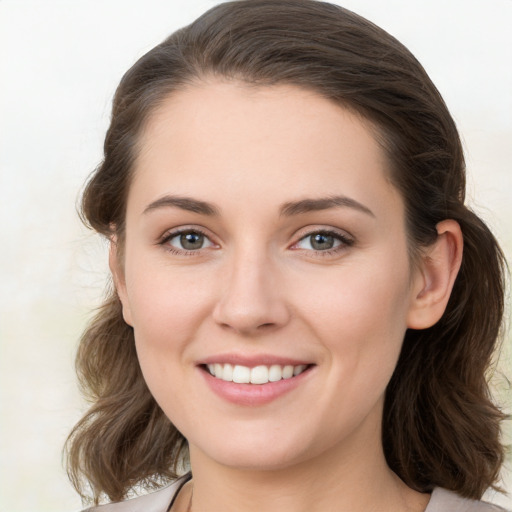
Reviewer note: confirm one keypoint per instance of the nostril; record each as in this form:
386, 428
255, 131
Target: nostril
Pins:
245, 314
268, 326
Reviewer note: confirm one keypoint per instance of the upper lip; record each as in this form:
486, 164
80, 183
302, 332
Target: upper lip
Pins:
252, 360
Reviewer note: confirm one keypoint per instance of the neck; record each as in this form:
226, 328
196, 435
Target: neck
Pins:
350, 477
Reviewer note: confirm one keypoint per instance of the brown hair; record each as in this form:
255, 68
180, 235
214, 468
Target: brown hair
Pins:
440, 427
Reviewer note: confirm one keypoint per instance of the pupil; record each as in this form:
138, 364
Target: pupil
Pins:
322, 242
191, 240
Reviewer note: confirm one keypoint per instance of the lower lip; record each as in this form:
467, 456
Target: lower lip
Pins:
252, 394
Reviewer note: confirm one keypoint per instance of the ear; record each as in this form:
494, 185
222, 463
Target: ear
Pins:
116, 267
435, 276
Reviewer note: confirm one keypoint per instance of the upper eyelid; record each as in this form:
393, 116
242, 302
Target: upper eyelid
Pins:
172, 232
298, 236
308, 231
346, 239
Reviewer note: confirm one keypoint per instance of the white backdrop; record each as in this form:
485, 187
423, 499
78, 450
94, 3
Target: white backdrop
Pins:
60, 62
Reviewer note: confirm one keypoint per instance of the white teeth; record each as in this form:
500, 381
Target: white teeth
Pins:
256, 375
241, 374
297, 370
259, 375
227, 372
288, 371
275, 373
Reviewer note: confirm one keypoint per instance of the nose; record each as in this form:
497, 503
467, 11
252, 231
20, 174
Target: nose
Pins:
251, 301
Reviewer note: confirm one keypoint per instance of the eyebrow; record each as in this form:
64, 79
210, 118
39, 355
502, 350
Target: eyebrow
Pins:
288, 209
323, 203
185, 203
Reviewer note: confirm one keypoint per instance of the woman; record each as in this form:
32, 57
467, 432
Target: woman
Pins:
304, 309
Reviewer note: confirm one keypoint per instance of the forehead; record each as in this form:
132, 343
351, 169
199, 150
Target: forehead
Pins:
231, 141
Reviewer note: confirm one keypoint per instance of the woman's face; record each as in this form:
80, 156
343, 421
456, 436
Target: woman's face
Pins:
263, 239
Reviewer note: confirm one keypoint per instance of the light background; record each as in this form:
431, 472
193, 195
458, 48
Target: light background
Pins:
60, 62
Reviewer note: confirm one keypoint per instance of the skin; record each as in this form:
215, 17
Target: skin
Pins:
258, 286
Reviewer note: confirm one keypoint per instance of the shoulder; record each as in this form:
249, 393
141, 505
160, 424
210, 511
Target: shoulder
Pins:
448, 501
158, 501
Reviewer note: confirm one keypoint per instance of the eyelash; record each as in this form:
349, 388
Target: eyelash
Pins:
345, 242
173, 234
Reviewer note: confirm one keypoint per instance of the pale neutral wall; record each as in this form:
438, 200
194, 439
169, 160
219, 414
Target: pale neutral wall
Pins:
60, 61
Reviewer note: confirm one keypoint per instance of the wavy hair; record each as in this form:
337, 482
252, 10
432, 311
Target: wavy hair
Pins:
440, 426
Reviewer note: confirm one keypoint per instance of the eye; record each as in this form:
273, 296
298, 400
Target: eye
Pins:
189, 240
323, 241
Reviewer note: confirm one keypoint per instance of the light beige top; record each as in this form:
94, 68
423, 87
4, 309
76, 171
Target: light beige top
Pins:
160, 501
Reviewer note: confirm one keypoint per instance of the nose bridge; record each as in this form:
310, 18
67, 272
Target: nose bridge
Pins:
251, 297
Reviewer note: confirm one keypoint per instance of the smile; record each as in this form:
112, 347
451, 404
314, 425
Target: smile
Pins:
253, 383
256, 375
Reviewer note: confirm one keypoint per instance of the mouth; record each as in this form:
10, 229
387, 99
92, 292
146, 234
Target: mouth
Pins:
262, 374
254, 380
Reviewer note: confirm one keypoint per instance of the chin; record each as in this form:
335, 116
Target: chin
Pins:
250, 461
255, 452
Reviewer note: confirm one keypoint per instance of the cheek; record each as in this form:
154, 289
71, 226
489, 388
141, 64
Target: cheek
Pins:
167, 306
359, 298
360, 312
361, 321
166, 303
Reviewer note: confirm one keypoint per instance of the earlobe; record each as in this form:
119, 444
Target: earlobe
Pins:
116, 267
436, 275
